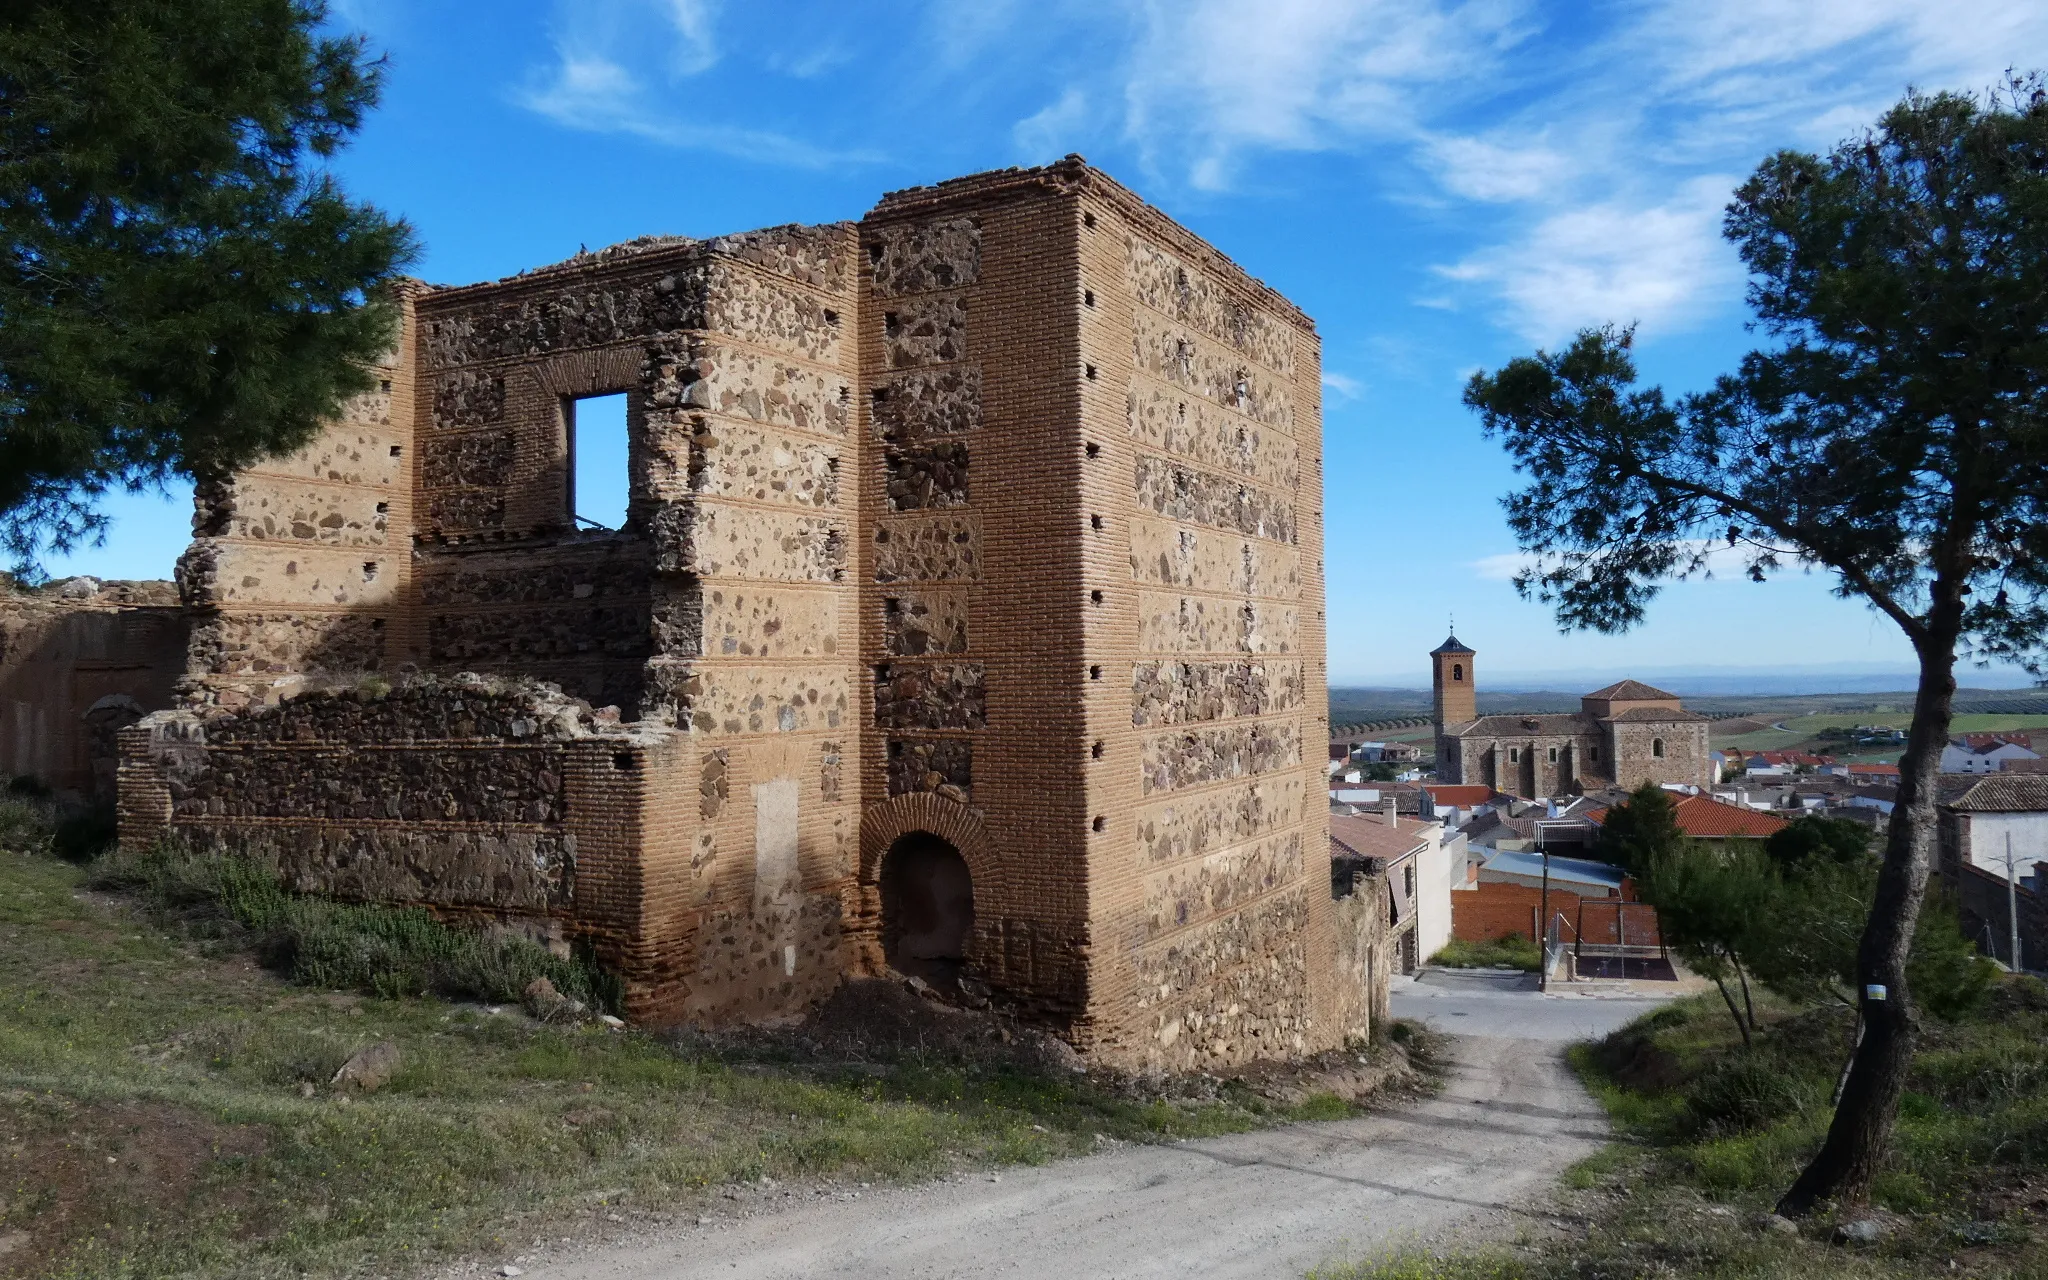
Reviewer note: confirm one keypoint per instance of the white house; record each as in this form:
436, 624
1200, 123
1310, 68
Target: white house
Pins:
1960, 757
1423, 864
1977, 825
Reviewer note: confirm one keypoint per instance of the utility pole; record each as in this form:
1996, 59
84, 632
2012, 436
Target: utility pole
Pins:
1543, 916
2012, 906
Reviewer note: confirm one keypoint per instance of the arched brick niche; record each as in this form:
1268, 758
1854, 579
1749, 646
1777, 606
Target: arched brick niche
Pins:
881, 826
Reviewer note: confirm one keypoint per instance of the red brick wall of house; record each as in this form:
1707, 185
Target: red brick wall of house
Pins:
1495, 910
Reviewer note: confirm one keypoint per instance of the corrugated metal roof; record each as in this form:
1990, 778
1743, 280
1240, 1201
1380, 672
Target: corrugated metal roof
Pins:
1570, 870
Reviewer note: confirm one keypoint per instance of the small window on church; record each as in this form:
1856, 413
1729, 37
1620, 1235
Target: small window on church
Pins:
1594, 752
1553, 755
1657, 747
1457, 671
1514, 755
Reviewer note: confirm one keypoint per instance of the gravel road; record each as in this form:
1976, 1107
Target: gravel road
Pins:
1267, 1204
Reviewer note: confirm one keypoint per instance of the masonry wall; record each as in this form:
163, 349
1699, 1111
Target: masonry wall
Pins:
79, 661
479, 800
300, 567
721, 607
1685, 759
1219, 941
1523, 767
996, 517
971, 594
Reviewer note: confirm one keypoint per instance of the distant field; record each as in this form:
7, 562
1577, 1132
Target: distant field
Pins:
1800, 730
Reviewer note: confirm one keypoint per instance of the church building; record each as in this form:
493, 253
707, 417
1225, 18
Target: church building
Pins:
1623, 735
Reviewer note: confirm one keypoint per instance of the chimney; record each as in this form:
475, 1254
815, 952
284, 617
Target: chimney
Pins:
1390, 809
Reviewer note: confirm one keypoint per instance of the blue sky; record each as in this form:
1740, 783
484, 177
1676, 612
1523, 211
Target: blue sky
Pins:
1441, 185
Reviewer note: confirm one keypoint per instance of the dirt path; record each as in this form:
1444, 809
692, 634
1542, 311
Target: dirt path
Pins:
1267, 1204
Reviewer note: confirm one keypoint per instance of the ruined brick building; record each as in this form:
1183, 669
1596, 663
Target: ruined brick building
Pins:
1623, 735
967, 618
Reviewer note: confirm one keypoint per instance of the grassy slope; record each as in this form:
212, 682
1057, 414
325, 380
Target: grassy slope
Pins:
153, 1118
1710, 1136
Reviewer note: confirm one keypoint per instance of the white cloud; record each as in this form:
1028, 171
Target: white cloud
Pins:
1495, 169
1618, 260
1724, 563
614, 60
1345, 386
692, 50
1054, 131
1603, 156
1212, 79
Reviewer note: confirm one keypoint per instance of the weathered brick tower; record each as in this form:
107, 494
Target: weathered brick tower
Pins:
1456, 699
967, 619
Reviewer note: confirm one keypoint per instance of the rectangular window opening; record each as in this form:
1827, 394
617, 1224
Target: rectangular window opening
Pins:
597, 461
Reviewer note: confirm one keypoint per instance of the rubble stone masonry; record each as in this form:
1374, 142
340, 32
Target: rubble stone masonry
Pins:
995, 518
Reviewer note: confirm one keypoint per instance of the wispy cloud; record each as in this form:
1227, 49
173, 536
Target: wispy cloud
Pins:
1723, 563
1618, 260
1343, 385
1210, 81
1056, 130
1597, 169
618, 64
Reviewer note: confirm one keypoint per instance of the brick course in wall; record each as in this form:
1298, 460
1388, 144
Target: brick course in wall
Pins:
994, 518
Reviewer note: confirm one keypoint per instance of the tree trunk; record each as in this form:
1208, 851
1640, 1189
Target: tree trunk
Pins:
1859, 1138
1748, 1007
1733, 1012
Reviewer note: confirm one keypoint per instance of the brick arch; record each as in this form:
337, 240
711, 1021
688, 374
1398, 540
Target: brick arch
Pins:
882, 825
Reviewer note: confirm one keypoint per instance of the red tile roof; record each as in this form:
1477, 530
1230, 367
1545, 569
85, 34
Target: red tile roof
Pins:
1368, 834
1632, 690
1705, 818
1874, 770
1453, 795
2005, 793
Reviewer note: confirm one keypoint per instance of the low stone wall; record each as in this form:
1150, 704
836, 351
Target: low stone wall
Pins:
481, 799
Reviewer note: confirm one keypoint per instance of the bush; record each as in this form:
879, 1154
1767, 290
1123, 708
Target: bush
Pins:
385, 951
1745, 1092
26, 823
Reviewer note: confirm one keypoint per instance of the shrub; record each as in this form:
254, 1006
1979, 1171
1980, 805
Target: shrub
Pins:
26, 823
385, 951
1742, 1092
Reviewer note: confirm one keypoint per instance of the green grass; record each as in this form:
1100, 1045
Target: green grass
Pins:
163, 1108
1511, 952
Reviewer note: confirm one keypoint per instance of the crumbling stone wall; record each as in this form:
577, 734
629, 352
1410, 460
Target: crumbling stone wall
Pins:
454, 795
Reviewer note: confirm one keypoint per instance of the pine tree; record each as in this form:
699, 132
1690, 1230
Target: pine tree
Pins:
184, 288
1896, 435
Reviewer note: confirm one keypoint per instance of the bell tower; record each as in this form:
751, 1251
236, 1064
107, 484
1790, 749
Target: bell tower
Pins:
1456, 702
